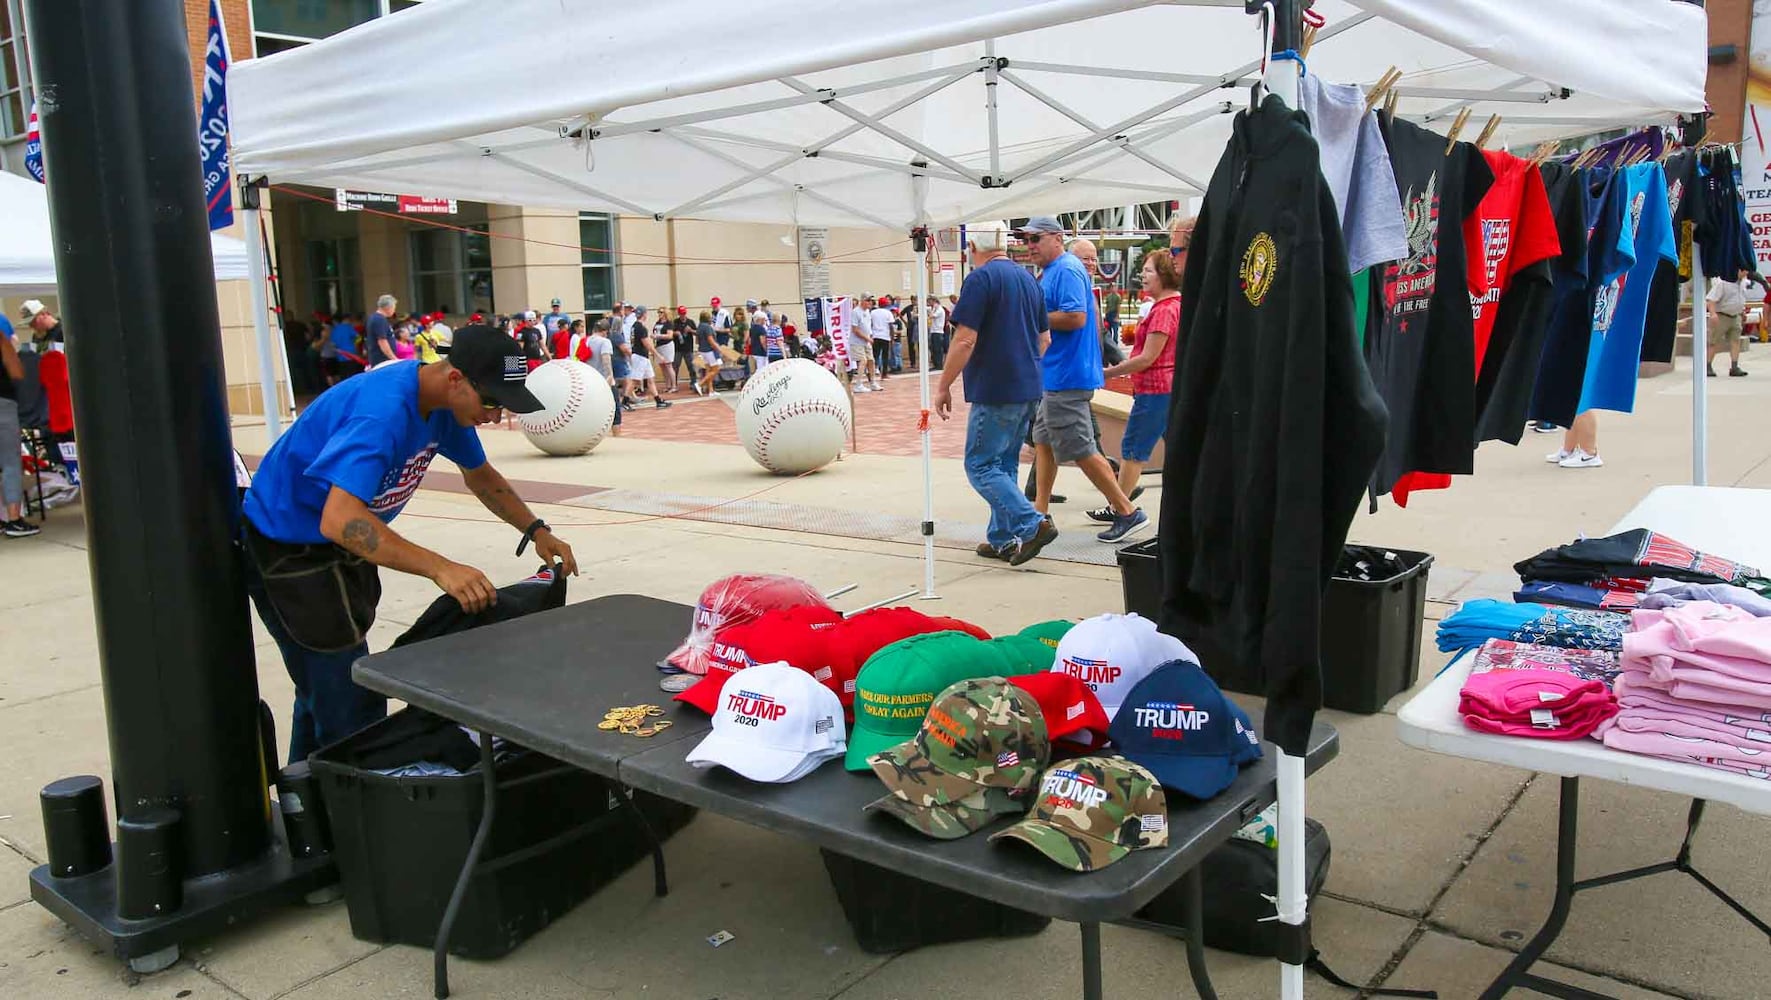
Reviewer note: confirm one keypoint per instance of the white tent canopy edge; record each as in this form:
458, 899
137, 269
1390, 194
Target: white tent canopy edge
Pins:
1012, 108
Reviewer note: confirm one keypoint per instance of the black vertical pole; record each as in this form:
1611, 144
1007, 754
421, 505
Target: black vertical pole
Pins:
144, 352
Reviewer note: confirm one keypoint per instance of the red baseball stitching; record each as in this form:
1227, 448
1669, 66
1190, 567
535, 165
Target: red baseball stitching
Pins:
574, 396
779, 416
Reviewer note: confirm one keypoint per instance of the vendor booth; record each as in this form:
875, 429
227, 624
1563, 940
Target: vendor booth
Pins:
931, 115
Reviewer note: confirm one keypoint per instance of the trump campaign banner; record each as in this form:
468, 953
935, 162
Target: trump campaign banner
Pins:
212, 124
34, 147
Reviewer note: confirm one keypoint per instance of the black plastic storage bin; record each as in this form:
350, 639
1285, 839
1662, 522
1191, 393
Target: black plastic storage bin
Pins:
1371, 636
400, 844
891, 912
1371, 630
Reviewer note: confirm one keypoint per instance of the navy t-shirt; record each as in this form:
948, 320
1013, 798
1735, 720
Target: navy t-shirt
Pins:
364, 436
1003, 303
377, 330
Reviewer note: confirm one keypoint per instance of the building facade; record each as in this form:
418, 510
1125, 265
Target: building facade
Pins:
462, 257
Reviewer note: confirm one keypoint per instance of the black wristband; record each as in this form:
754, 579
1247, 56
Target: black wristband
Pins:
529, 534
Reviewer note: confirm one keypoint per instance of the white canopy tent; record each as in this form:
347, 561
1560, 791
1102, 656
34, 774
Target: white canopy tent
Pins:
878, 112
27, 249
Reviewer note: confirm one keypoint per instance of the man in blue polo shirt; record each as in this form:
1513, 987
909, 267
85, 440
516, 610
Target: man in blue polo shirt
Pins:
999, 332
318, 515
1063, 429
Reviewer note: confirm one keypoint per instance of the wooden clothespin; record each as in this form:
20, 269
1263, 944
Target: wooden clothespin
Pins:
1487, 131
1547, 150
1309, 40
1390, 103
1457, 126
1381, 87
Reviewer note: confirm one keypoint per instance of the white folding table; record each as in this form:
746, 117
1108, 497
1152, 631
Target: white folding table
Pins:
1734, 523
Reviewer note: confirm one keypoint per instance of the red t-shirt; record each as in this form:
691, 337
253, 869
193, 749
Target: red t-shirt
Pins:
52, 373
1512, 229
1165, 317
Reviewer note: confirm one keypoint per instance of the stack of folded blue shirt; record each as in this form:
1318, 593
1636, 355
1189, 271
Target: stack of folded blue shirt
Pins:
1475, 622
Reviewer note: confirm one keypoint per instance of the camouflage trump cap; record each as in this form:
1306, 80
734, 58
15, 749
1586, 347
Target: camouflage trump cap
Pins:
976, 756
1092, 811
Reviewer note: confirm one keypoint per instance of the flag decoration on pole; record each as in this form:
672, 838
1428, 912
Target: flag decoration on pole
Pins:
212, 125
34, 147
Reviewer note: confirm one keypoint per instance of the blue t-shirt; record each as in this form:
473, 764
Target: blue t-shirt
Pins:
1073, 361
377, 330
344, 338
364, 436
1002, 302
1620, 311
618, 360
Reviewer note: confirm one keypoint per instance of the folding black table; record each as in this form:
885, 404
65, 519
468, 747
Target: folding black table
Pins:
545, 681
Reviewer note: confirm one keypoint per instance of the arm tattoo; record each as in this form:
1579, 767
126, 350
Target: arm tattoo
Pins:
360, 536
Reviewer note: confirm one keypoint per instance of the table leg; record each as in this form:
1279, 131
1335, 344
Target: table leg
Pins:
440, 951
1193, 884
1091, 961
1518, 973
660, 886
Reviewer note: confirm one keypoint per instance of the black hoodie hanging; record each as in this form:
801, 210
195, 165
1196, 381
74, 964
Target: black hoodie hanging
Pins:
1274, 424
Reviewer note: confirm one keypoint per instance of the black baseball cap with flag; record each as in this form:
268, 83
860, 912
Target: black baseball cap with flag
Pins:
494, 363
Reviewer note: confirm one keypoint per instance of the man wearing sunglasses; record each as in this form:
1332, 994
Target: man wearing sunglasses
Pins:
1063, 427
318, 515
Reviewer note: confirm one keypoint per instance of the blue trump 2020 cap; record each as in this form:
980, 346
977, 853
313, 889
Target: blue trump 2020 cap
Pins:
1176, 723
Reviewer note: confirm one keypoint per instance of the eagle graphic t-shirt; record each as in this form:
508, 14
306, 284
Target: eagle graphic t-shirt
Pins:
1621, 309
1421, 348
363, 436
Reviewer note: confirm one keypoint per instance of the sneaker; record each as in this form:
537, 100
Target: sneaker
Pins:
1027, 548
1136, 491
628, 406
1736, 372
862, 388
1105, 515
989, 551
1544, 427
662, 404
20, 528
1581, 460
1711, 372
1124, 525
1558, 456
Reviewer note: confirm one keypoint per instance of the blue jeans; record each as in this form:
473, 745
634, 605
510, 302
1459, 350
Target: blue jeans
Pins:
328, 705
993, 436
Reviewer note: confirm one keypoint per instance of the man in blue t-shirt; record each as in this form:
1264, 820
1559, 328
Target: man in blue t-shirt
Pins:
378, 336
1063, 429
319, 511
999, 333
347, 357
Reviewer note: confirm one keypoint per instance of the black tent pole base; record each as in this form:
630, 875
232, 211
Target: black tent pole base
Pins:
212, 904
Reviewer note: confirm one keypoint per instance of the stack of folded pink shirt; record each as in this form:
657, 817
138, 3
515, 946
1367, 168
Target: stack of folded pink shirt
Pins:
1696, 687
1543, 704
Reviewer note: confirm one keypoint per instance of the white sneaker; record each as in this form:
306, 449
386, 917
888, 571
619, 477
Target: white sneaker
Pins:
862, 388
1581, 460
1556, 457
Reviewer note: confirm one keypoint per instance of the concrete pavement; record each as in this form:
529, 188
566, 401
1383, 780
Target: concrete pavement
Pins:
1440, 866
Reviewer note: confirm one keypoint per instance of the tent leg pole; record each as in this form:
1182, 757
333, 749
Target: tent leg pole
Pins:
1292, 902
257, 277
1699, 388
920, 237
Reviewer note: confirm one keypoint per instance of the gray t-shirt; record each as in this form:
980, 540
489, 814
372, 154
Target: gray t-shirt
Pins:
600, 349
1356, 165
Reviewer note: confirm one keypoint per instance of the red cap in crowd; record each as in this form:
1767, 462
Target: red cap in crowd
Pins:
787, 635
682, 310
477, 318
1069, 706
716, 302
